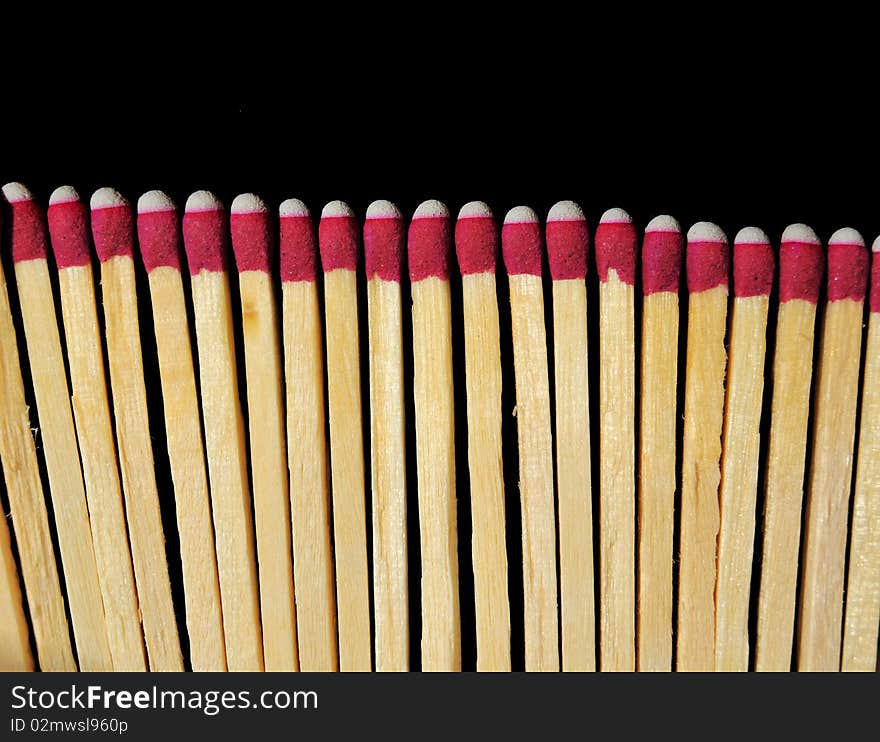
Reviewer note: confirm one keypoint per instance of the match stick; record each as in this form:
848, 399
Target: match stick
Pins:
753, 268
251, 243
568, 243
707, 271
338, 244
15, 649
863, 584
71, 243
476, 243
521, 247
306, 442
28, 508
113, 233
616, 262
383, 247
29, 238
429, 245
661, 272
821, 607
801, 264
159, 239
204, 239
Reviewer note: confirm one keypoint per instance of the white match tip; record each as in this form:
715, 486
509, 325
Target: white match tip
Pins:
613, 216
203, 201
248, 203
663, 223
293, 207
383, 210
799, 233
155, 201
706, 232
521, 215
106, 197
63, 195
565, 211
847, 236
876, 246
475, 210
751, 236
336, 208
16, 192
430, 209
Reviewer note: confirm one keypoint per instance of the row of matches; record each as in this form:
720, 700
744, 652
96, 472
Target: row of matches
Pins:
275, 566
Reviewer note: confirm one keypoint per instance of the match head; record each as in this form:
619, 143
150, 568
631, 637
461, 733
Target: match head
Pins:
662, 248
753, 263
112, 224
476, 239
296, 243
801, 264
251, 233
707, 257
429, 241
847, 266
568, 241
68, 219
383, 241
204, 233
521, 242
338, 238
875, 277
28, 224
799, 233
616, 244
158, 231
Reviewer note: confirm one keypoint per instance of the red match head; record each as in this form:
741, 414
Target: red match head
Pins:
251, 232
521, 242
476, 239
661, 255
69, 231
383, 241
429, 242
753, 263
296, 244
707, 257
112, 224
801, 264
158, 231
338, 237
568, 241
875, 276
204, 233
28, 225
616, 246
847, 266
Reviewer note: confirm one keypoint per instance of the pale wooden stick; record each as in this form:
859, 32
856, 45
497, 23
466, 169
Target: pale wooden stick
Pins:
306, 442
15, 649
822, 576
251, 240
476, 242
204, 234
707, 269
801, 264
26, 499
567, 247
71, 243
113, 233
339, 255
863, 583
158, 236
49, 380
753, 267
661, 269
383, 245
521, 245
428, 246
615, 259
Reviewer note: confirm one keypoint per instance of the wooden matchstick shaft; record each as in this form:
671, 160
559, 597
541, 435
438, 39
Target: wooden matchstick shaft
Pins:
26, 501
15, 649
